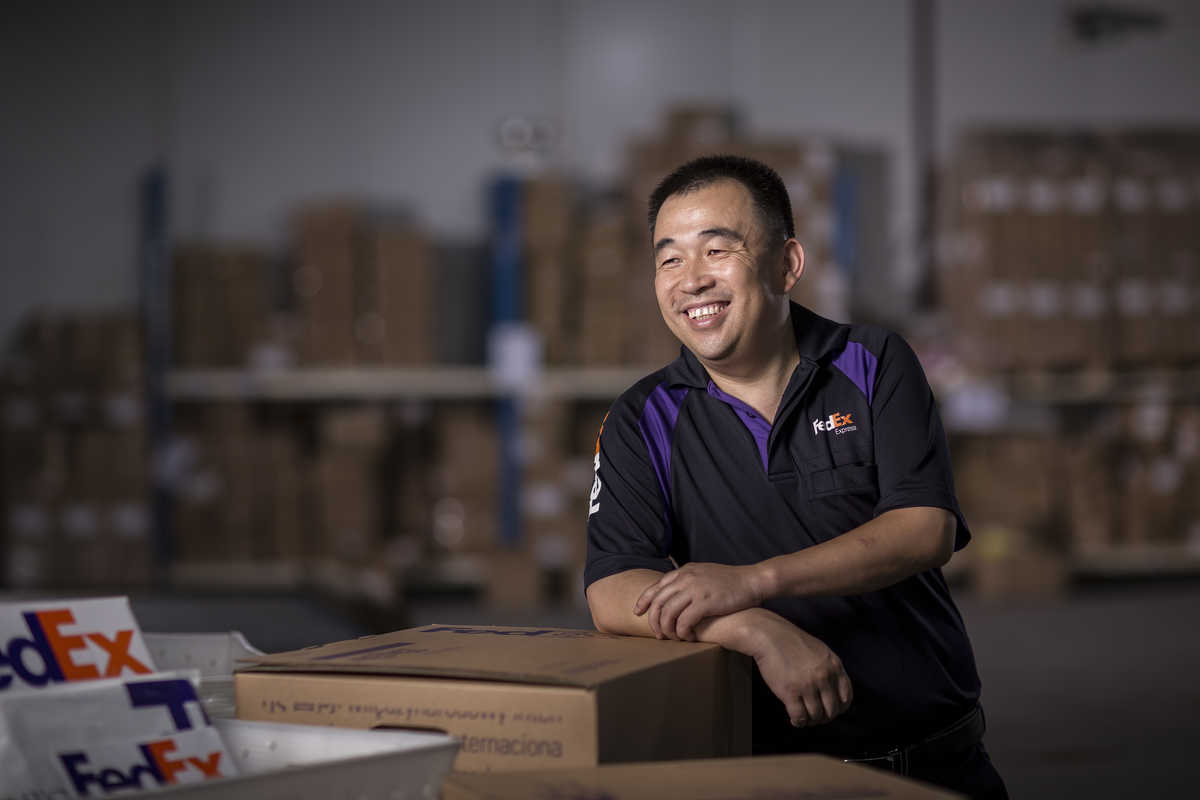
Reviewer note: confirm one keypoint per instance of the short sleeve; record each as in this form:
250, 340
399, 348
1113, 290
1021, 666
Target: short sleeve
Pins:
628, 525
910, 443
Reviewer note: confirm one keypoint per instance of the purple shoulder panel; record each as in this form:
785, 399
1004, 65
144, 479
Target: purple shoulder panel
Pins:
658, 429
858, 364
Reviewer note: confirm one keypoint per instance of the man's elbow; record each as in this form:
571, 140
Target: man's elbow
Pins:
603, 618
945, 527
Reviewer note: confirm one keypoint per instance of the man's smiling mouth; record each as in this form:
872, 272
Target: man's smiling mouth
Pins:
706, 312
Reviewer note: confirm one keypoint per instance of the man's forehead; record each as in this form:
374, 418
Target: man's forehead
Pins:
726, 201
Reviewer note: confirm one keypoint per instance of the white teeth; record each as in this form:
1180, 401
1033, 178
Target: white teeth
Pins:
705, 311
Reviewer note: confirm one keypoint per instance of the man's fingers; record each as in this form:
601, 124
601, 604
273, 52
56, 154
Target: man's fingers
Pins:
671, 609
814, 707
650, 592
796, 712
845, 690
645, 598
829, 702
687, 621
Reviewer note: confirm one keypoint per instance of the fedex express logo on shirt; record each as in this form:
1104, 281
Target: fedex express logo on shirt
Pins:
837, 422
51, 646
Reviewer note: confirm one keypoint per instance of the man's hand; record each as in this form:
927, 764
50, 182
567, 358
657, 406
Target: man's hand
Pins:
680, 599
801, 670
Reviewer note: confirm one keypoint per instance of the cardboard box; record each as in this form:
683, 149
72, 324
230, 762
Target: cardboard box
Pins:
519, 698
800, 776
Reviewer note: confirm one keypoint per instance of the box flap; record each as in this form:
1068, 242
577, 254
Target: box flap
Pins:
552, 656
811, 777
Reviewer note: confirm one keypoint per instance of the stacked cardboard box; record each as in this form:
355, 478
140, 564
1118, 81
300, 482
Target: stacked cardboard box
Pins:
547, 221
1009, 487
1072, 250
75, 471
362, 288
551, 525
1156, 472
1114, 478
221, 304
240, 488
605, 317
350, 452
466, 507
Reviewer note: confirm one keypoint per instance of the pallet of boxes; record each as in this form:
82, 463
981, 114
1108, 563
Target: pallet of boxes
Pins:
1070, 273
288, 494
84, 713
75, 468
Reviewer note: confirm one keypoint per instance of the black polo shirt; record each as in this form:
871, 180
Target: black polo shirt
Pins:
685, 472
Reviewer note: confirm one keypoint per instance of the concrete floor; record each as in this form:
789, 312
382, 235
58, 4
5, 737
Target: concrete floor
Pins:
1096, 695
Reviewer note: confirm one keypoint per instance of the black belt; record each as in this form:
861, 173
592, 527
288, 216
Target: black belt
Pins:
953, 740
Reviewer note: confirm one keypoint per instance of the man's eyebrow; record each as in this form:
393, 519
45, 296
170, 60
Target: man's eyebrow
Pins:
727, 233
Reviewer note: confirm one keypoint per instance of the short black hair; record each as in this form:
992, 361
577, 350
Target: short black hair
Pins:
764, 184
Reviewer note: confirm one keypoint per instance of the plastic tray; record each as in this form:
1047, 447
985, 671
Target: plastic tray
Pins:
278, 761
214, 654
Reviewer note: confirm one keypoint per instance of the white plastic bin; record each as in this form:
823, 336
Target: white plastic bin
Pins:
214, 654
277, 761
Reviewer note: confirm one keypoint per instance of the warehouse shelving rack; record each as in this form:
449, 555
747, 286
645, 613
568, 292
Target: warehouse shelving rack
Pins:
596, 383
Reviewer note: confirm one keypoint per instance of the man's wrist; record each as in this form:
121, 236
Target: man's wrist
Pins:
764, 581
745, 631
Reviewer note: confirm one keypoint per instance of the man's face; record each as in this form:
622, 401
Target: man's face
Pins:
721, 286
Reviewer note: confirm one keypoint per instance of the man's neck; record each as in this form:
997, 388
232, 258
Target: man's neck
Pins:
760, 385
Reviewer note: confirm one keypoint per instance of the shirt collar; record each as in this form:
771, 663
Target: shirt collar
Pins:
816, 339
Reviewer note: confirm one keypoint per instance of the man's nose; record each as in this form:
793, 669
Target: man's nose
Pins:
697, 277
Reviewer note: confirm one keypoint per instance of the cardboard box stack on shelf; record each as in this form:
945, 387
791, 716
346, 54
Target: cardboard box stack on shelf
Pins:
1157, 470
363, 289
1009, 489
222, 304
466, 509
242, 491
75, 467
548, 223
1072, 250
1068, 256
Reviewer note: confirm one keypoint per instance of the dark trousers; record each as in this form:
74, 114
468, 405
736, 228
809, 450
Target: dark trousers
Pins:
971, 774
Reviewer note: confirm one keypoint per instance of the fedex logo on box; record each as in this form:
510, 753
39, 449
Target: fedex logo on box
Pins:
58, 643
134, 766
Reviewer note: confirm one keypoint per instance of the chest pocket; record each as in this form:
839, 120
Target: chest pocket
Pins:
846, 479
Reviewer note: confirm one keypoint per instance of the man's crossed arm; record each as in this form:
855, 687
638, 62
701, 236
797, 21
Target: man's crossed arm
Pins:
721, 604
802, 672
885, 550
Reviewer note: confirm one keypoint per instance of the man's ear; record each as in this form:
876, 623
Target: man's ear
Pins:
793, 264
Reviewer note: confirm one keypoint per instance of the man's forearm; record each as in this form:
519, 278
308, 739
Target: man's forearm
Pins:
611, 602
877, 554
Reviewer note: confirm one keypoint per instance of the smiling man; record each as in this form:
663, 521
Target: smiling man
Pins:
783, 489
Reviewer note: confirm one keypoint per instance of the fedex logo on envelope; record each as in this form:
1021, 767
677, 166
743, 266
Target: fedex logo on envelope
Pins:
193, 753
79, 641
143, 765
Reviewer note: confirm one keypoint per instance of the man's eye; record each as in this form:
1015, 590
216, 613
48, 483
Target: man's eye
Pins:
670, 262
714, 252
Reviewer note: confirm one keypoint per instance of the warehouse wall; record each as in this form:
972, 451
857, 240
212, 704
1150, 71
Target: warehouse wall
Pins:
1014, 63
258, 107
82, 117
